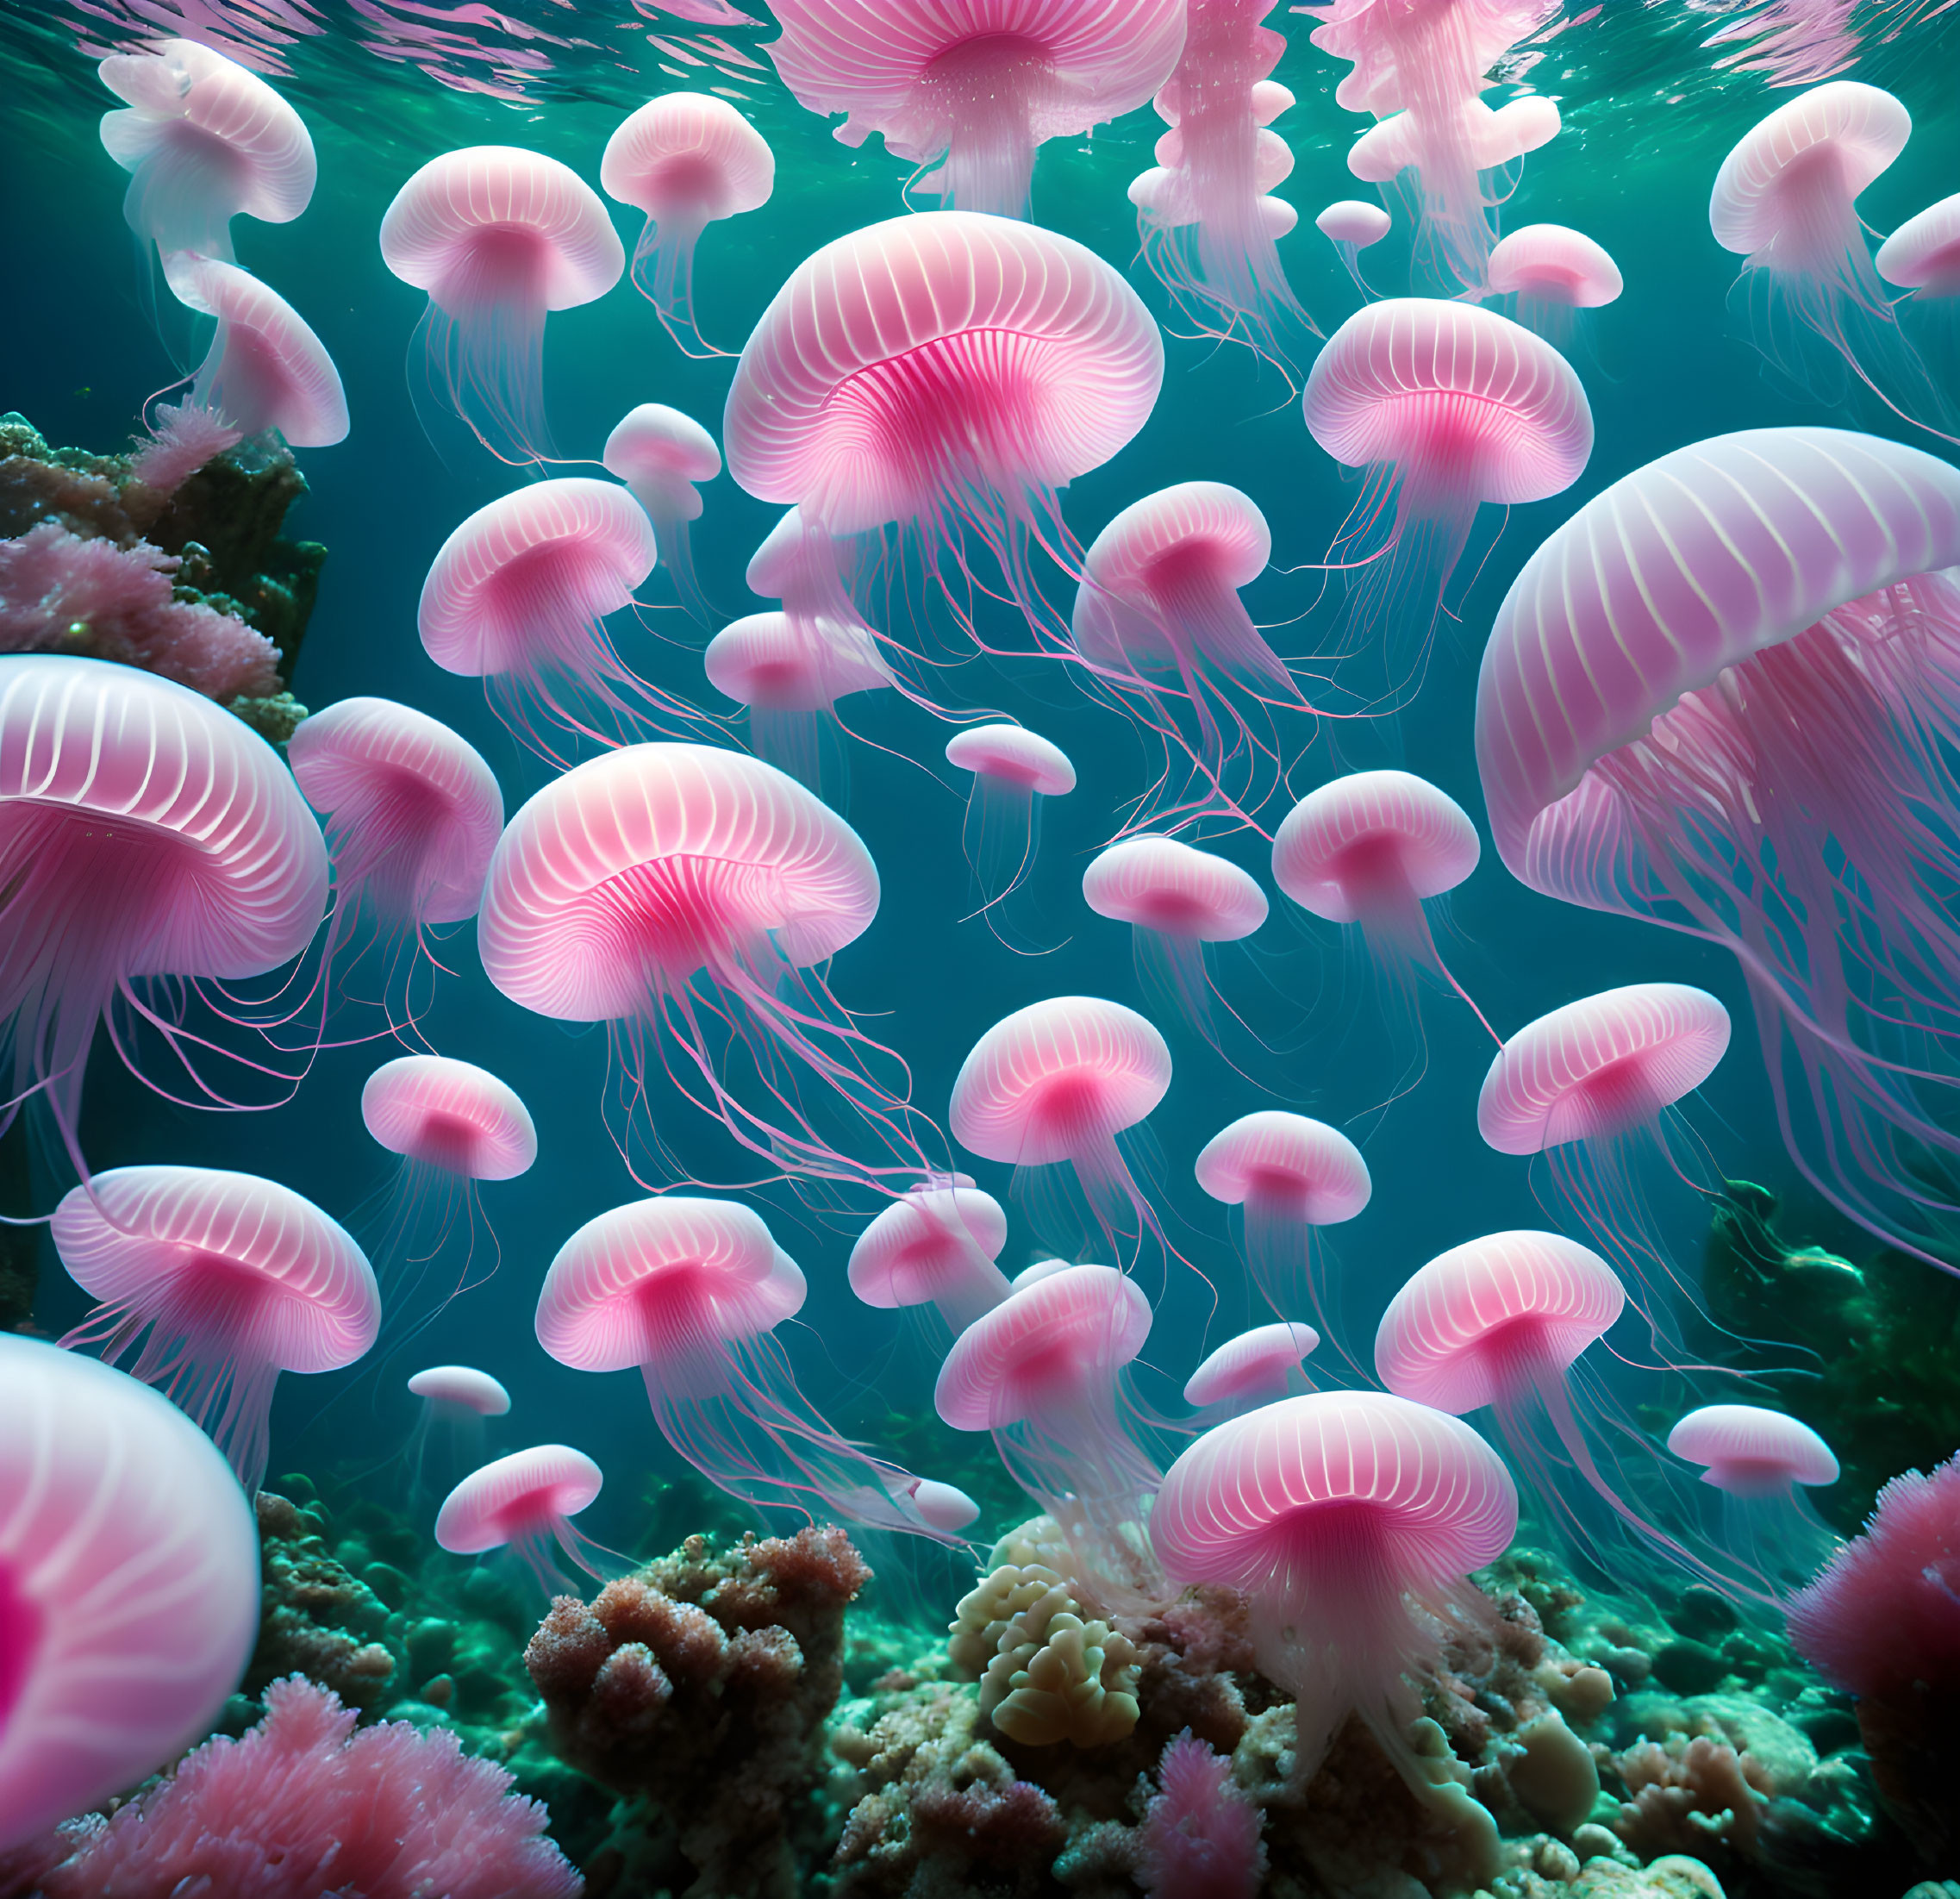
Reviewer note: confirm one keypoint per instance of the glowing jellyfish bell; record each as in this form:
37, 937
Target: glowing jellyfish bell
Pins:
1761, 1463
457, 1403
1258, 1367
1015, 773
661, 455
937, 1246
1551, 272
1352, 225
525, 1502
1922, 257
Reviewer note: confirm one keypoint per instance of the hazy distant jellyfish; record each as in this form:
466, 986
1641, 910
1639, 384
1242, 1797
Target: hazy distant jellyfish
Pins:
691, 897
1048, 1089
972, 87
1014, 771
1042, 1371
1922, 257
943, 1506
1178, 901
1724, 697
686, 159
1351, 1520
498, 237
1258, 1367
145, 833
1761, 1462
689, 1291
1351, 225
525, 1502
1552, 272
660, 454
129, 1585
456, 1400
937, 1246
1445, 407
234, 1278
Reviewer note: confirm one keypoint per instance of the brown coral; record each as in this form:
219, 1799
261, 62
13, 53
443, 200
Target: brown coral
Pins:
317, 1618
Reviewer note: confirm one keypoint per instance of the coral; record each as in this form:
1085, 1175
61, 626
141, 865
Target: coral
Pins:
1685, 1793
1200, 1837
183, 438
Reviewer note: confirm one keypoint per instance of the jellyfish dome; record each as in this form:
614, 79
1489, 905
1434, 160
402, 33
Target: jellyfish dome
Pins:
449, 1114
1552, 272
464, 1387
203, 140
1643, 733
129, 1581
235, 1279
974, 87
525, 1502
939, 1245
1923, 255
1014, 771
1353, 220
660, 454
1761, 1463
1258, 1367
790, 677
1013, 755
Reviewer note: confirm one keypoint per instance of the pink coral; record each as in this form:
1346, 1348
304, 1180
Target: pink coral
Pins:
1200, 1835
60, 593
184, 436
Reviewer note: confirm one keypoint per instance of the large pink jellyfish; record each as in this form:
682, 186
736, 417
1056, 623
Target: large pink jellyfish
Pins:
1049, 1088
1015, 773
685, 158
145, 833
129, 1585
498, 237
1550, 272
661, 454
1724, 697
972, 87
1044, 1372
944, 372
518, 596
525, 1502
689, 897
689, 1292
413, 813
1445, 407
1759, 1462
1258, 1367
234, 1278
937, 1245
1352, 1520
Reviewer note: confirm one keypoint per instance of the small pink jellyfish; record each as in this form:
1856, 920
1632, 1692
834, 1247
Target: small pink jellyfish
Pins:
1178, 901
1044, 1372
689, 1292
972, 87
129, 1585
943, 1506
661, 454
1550, 272
1922, 257
1351, 1520
456, 1401
525, 1502
1289, 1177
686, 159
1258, 1367
234, 1278
1761, 1462
1352, 225
1445, 407
498, 237
937, 1246
1015, 773
1048, 1089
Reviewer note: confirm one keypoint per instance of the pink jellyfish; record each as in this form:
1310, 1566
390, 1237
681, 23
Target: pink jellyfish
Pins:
1258, 1367
1044, 1372
1289, 1177
518, 596
1761, 1462
937, 1246
129, 1585
686, 159
1352, 225
1445, 407
234, 1278
1048, 1089
660, 454
1550, 272
203, 140
1723, 696
498, 237
145, 833
1177, 901
879, 387
1922, 257
1351, 1520
413, 813
689, 897
943, 1506
689, 1291
1014, 772
972, 87
456, 1401
525, 1502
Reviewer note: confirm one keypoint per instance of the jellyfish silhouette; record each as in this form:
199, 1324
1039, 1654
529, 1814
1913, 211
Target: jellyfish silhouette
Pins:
1550, 274
234, 1278
937, 1246
498, 237
971, 87
660, 454
1352, 225
686, 159
1722, 696
129, 1585
1258, 1367
1759, 1462
1014, 771
525, 1503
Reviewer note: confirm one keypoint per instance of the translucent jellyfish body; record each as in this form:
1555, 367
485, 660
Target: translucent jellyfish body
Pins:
1651, 730
1258, 1367
498, 237
937, 1246
1922, 257
661, 455
525, 1502
1352, 225
447, 1441
1014, 771
235, 1279
971, 88
687, 159
1760, 1463
1550, 274
129, 1581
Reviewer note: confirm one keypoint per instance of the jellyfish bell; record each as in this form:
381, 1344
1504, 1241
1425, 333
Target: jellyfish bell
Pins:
525, 1502
1014, 772
1257, 1367
457, 1401
661, 455
945, 1506
1550, 272
937, 1246
1761, 1462
1922, 258
1352, 225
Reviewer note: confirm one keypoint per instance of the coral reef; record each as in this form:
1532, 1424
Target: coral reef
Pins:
1200, 1836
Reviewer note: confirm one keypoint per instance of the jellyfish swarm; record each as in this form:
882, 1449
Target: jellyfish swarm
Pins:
413, 813
498, 237
937, 1246
944, 374
1043, 1372
686, 159
1758, 1459
1352, 225
972, 87
1258, 1367
1014, 771
1351, 1520
1922, 257
449, 1429
1445, 406
129, 1585
690, 898
1723, 696
1550, 274
234, 1278
660, 454
1048, 1089
145, 833
689, 1291
525, 1502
